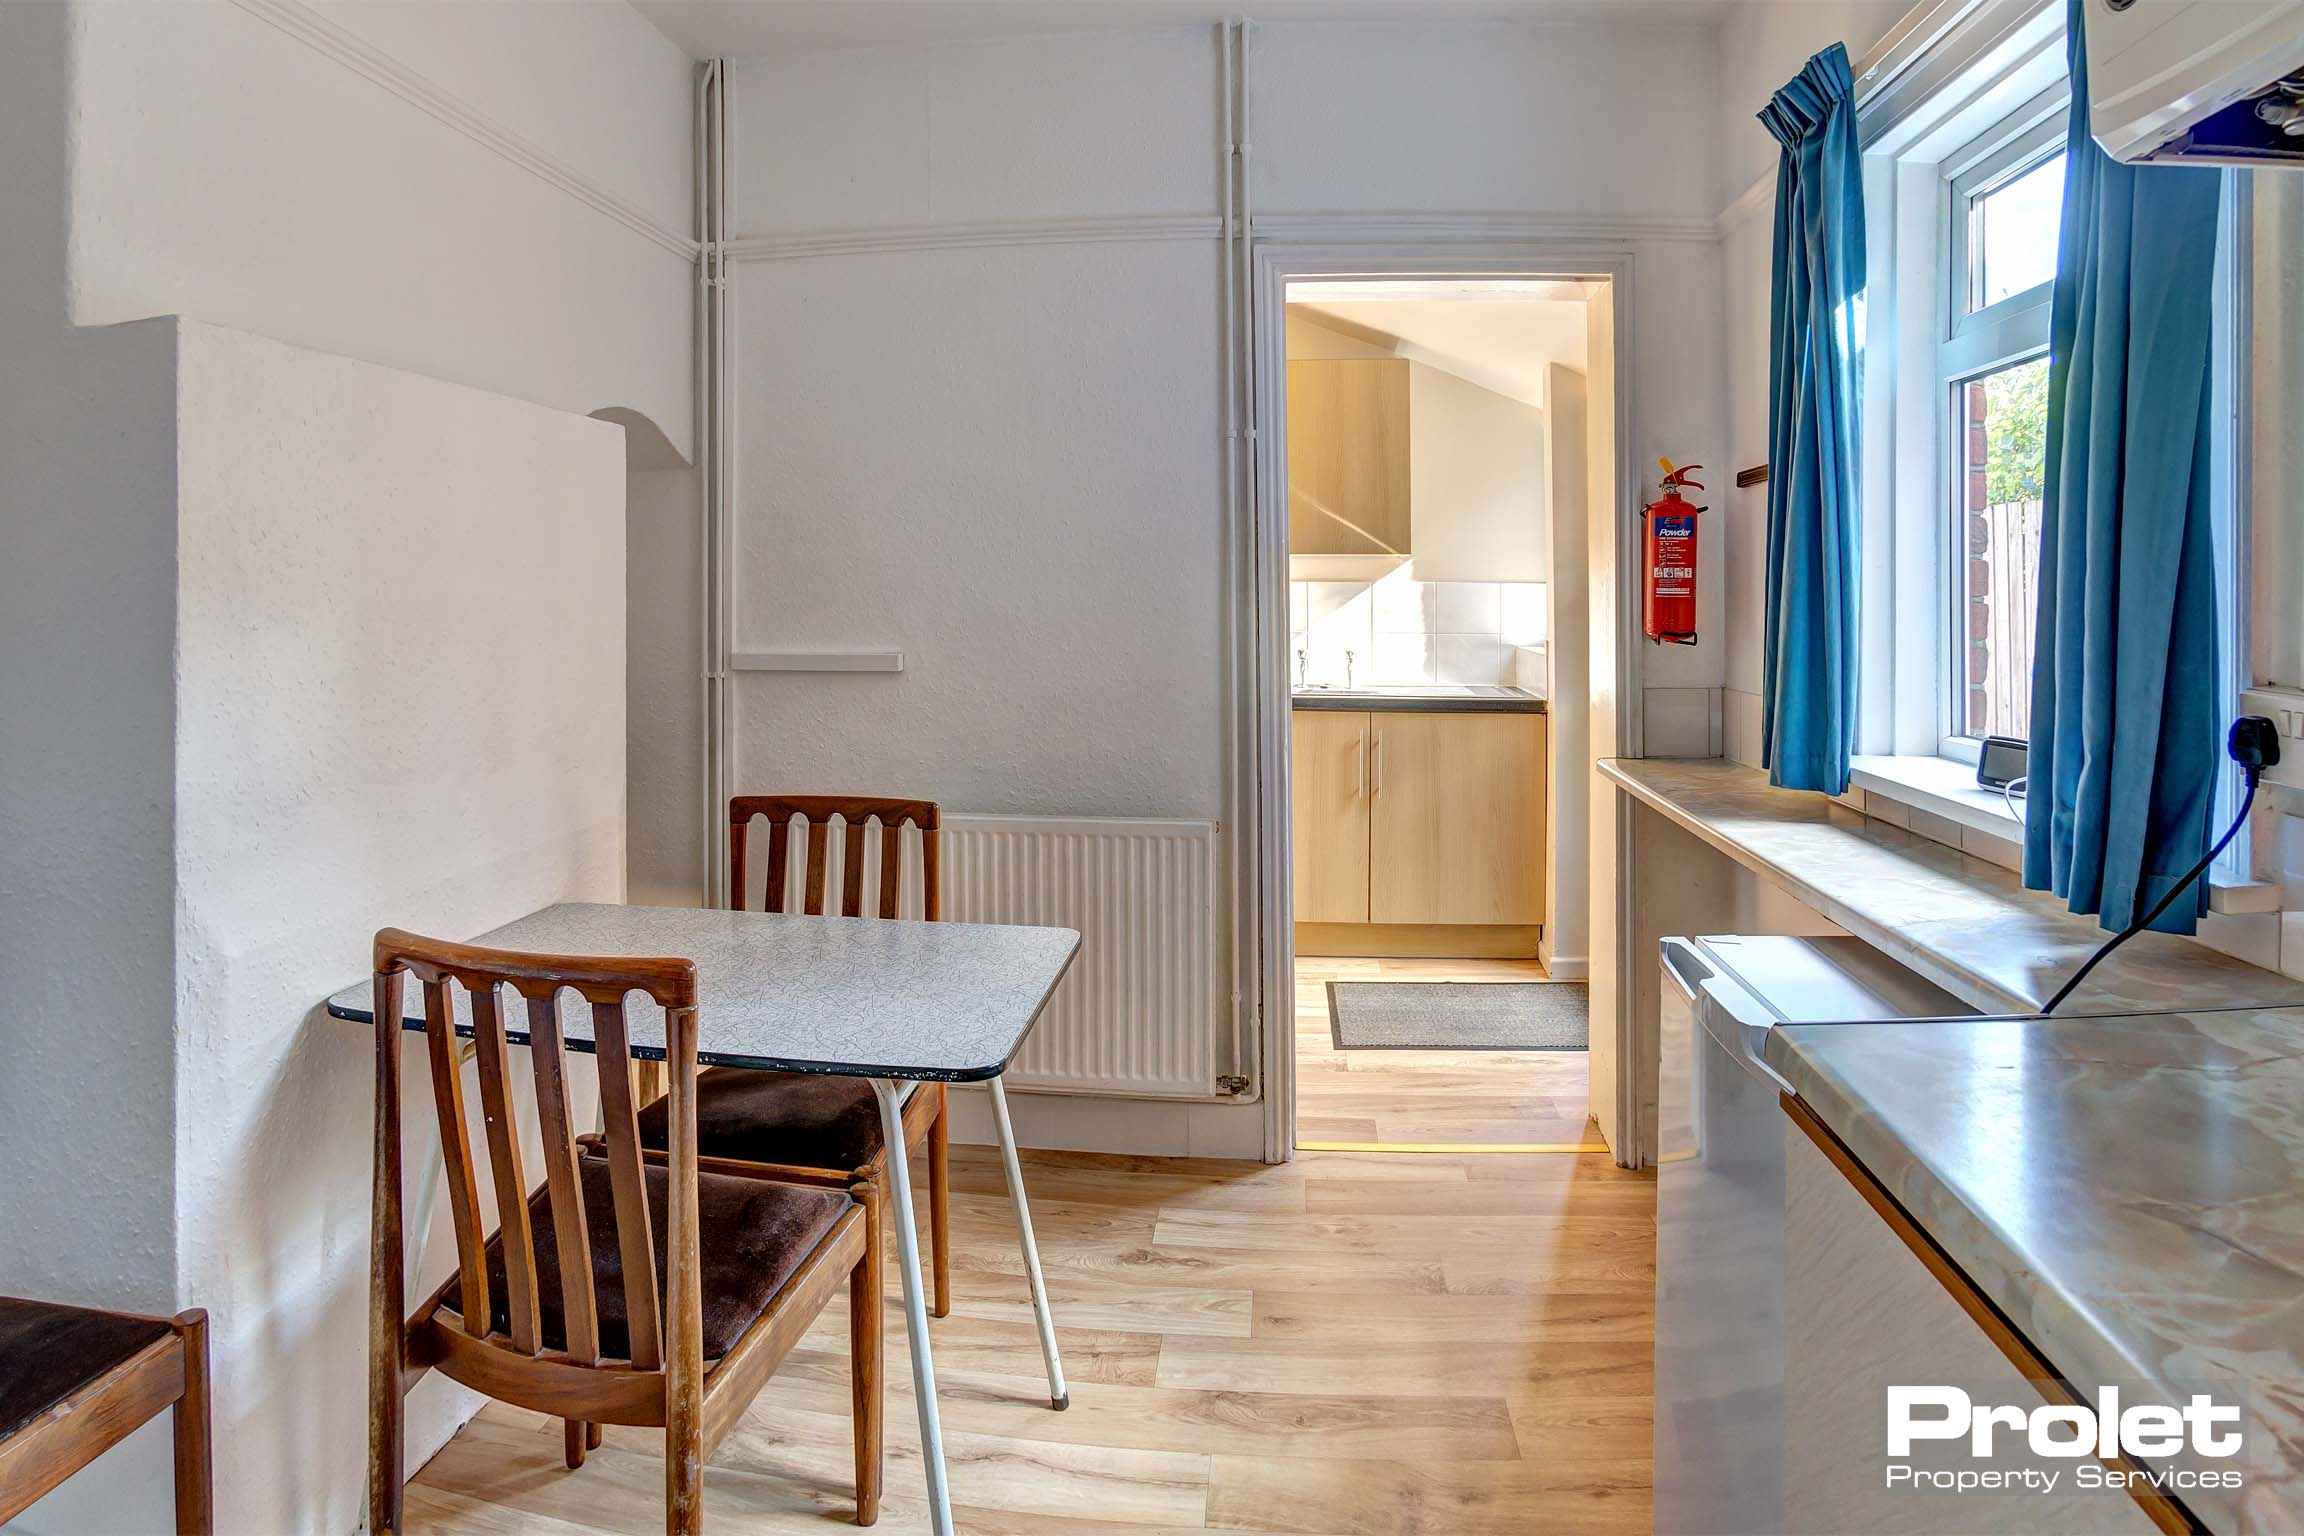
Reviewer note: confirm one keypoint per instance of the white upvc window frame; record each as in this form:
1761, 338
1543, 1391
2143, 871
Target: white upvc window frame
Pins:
1973, 342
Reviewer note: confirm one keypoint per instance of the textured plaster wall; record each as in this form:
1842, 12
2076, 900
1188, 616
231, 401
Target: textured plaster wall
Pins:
87, 610
400, 700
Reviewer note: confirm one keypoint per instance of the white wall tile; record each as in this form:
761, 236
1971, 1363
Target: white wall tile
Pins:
1469, 659
1939, 829
1469, 608
1678, 722
1400, 659
2005, 852
1521, 619
1404, 604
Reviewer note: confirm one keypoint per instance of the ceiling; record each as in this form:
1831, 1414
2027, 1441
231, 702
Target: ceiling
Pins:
1501, 336
742, 28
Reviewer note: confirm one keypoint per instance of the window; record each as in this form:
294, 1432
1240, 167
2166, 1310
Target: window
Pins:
2004, 209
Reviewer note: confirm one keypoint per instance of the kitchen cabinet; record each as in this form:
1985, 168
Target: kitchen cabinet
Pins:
1456, 827
1348, 457
1426, 828
1331, 817
1389, 459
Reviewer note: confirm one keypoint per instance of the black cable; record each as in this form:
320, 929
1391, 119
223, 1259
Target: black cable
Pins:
2165, 902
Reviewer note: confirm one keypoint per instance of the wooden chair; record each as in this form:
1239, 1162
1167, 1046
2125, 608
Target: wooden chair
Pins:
560, 1309
75, 1381
806, 1128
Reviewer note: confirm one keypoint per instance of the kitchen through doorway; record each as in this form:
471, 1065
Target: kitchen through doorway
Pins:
1437, 459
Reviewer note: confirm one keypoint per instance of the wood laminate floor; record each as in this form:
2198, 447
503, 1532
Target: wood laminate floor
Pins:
1354, 1344
1413, 1098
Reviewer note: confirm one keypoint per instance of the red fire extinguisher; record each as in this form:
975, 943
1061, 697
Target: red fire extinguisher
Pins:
1668, 589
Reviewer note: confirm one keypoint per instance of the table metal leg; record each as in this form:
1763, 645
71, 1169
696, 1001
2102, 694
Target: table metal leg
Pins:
1058, 1398
890, 1095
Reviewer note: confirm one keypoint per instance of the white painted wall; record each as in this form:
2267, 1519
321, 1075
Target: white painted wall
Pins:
1763, 44
353, 734
1002, 458
1565, 947
267, 167
87, 628
362, 738
663, 702
1476, 481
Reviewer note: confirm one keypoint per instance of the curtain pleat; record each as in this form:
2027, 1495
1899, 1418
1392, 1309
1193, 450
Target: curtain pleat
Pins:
2126, 688
1808, 684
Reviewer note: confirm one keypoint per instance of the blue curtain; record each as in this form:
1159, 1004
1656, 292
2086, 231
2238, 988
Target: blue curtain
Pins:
2125, 686
1808, 685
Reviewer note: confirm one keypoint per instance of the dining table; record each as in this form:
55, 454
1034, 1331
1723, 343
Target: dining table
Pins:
894, 1003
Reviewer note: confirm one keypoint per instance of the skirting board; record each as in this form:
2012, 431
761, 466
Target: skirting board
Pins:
1418, 941
1135, 1127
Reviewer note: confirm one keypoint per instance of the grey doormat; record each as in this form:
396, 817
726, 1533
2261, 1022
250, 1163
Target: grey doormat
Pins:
1459, 1015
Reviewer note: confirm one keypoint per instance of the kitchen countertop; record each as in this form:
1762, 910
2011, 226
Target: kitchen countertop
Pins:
1433, 699
1963, 922
2128, 1190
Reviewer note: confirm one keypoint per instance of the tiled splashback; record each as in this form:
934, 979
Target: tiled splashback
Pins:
1403, 631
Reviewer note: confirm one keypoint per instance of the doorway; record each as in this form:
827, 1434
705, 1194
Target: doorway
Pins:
1429, 439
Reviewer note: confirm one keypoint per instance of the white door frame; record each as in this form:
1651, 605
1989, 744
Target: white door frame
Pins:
1266, 844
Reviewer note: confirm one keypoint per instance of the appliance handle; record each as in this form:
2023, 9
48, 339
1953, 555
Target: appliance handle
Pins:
1733, 1017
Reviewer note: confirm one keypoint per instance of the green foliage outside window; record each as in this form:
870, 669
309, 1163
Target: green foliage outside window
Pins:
2016, 433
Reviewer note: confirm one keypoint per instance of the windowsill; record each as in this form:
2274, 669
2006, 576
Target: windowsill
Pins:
1948, 789
1940, 787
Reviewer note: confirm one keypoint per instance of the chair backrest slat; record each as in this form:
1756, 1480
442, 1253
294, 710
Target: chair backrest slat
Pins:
891, 867
510, 1179
814, 891
856, 815
635, 1238
570, 1228
538, 979
852, 867
779, 858
456, 1152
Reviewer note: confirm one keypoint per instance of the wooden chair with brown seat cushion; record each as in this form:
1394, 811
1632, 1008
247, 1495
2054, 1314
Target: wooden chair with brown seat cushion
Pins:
803, 1126
560, 1309
75, 1381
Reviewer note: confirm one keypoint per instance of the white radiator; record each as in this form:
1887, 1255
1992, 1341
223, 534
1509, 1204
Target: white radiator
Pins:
1139, 1014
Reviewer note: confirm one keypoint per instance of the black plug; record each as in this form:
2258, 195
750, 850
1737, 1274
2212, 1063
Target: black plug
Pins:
2254, 744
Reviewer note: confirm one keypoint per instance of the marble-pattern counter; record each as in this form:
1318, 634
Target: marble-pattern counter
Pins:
1964, 923
2128, 1190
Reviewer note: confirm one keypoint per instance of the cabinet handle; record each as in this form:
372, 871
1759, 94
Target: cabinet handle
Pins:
1379, 765
1360, 770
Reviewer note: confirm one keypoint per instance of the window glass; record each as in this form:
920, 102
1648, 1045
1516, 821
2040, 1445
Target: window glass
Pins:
2002, 421
2012, 233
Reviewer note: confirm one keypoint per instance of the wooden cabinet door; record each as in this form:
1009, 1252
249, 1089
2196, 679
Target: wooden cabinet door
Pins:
1330, 814
1456, 831
1348, 489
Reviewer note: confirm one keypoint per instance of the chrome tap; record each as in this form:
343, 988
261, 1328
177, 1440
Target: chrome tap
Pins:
1303, 669
1347, 671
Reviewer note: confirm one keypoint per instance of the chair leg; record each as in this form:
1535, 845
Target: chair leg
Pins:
592, 1434
867, 1311
576, 1439
683, 1481
195, 1486
940, 1199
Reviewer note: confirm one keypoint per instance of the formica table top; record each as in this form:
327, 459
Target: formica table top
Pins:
2129, 1190
944, 1002
1963, 922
